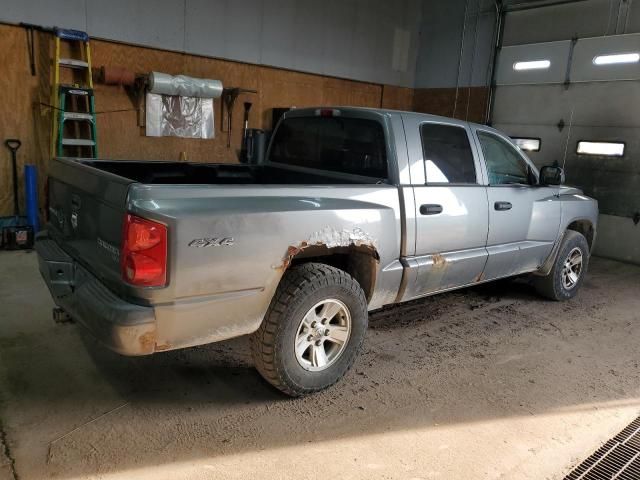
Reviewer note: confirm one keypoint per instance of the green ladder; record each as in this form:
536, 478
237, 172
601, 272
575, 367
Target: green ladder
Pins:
76, 136
74, 124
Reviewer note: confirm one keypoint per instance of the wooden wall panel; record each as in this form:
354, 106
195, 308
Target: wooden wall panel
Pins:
397, 98
118, 135
469, 104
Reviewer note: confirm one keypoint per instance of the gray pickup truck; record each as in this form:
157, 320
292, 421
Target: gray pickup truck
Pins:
353, 209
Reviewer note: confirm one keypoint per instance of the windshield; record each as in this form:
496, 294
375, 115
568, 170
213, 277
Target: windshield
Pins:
339, 144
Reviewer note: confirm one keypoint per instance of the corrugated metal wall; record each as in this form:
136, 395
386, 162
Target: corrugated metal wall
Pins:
576, 100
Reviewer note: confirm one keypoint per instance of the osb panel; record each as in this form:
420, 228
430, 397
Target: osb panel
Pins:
397, 98
118, 134
470, 103
22, 117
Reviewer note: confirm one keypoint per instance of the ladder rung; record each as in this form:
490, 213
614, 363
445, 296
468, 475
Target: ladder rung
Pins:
77, 116
78, 142
76, 91
72, 63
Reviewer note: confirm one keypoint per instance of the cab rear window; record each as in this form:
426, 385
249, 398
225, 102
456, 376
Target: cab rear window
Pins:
338, 144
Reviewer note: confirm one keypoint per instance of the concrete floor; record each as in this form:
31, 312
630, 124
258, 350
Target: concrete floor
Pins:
492, 382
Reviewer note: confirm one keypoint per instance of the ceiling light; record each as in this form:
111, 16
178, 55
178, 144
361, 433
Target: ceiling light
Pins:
611, 149
532, 65
617, 58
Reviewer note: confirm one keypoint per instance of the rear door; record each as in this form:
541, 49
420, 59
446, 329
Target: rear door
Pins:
451, 207
524, 217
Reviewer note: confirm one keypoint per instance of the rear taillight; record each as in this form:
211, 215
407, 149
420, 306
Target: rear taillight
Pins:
143, 259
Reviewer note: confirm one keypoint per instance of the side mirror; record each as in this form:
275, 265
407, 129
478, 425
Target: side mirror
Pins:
551, 175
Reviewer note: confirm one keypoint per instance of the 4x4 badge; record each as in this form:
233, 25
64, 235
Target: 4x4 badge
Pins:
211, 242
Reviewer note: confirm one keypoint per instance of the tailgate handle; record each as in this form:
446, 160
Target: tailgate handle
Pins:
502, 206
430, 209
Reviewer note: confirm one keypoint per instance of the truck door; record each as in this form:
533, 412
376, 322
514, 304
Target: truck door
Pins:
524, 218
451, 207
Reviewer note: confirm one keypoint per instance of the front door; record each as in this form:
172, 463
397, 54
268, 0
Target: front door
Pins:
523, 217
451, 211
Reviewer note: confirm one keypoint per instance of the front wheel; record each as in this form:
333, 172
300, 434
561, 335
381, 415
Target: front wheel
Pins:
569, 269
312, 331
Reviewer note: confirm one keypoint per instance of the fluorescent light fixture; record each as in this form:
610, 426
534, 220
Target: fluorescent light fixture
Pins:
528, 144
532, 65
617, 58
611, 149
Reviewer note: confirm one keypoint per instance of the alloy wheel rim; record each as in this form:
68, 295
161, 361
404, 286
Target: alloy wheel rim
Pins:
322, 335
572, 269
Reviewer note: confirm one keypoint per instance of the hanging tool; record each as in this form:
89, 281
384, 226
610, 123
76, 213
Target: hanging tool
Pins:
247, 108
245, 129
13, 144
16, 234
229, 96
74, 103
32, 54
30, 28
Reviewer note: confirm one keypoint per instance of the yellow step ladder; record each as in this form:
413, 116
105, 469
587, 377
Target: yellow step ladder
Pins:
74, 103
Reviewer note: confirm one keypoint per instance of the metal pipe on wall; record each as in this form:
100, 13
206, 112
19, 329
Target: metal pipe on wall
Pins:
499, 32
460, 57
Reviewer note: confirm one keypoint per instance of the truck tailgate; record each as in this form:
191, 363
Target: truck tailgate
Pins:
86, 211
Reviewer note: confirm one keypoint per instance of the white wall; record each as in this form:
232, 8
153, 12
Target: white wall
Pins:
369, 40
446, 57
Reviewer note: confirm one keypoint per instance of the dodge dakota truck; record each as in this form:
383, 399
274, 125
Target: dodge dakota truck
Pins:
352, 209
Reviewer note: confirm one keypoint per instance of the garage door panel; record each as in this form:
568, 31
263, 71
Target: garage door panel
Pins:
521, 104
598, 103
583, 68
556, 52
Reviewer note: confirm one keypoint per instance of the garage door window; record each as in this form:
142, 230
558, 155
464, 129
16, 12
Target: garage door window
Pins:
447, 154
504, 164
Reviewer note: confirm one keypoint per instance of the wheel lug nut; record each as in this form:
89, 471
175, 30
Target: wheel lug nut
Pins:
313, 324
309, 338
318, 343
324, 321
326, 332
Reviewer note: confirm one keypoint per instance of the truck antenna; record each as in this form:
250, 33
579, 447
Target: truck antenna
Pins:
566, 145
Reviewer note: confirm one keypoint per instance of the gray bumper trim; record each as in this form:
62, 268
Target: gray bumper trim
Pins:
124, 327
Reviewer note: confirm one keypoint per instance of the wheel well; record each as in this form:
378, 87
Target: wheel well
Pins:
358, 261
585, 228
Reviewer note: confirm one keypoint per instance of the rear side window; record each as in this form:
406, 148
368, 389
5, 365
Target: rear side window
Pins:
339, 144
447, 154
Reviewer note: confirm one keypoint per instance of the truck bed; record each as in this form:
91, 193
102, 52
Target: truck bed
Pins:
164, 173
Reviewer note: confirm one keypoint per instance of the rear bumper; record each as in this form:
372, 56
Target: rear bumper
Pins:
124, 327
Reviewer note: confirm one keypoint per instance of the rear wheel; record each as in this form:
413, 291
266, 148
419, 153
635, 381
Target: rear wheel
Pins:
569, 269
312, 331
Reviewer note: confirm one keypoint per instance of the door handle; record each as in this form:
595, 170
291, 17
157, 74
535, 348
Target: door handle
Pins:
502, 205
430, 209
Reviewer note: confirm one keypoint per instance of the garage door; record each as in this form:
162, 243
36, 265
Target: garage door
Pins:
576, 101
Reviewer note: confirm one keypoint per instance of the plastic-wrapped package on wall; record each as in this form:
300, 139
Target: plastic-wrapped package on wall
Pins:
185, 86
175, 116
